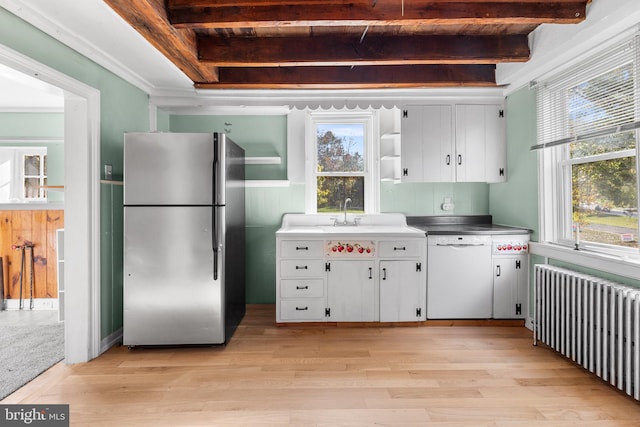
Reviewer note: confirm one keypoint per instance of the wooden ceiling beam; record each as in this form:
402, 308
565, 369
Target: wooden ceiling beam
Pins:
392, 76
373, 50
212, 14
149, 18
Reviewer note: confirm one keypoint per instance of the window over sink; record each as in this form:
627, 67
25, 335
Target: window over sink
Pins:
341, 152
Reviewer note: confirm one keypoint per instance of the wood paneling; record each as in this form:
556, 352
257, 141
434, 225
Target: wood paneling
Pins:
337, 376
38, 227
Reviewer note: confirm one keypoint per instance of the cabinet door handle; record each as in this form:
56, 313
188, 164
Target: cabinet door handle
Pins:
370, 273
302, 308
384, 274
302, 248
448, 159
302, 287
498, 271
459, 159
301, 267
400, 248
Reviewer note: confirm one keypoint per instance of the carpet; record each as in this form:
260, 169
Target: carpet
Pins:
26, 352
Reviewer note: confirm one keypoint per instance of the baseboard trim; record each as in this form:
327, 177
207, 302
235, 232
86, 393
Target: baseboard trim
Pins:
38, 304
110, 340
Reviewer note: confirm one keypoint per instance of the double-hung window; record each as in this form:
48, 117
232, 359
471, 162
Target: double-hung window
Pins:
588, 120
340, 157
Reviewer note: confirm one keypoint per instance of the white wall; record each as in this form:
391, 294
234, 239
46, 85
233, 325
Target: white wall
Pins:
556, 46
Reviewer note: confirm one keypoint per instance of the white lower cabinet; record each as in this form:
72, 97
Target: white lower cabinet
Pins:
510, 287
301, 289
308, 309
402, 291
351, 291
351, 279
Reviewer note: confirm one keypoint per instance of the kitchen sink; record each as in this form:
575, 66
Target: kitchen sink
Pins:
381, 224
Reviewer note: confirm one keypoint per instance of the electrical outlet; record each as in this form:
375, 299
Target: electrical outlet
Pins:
447, 204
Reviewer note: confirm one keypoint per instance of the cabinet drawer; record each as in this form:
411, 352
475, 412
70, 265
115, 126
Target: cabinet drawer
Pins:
296, 288
402, 248
309, 309
301, 249
301, 268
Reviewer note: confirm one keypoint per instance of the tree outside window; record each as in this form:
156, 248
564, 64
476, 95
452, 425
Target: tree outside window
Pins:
604, 190
341, 151
340, 166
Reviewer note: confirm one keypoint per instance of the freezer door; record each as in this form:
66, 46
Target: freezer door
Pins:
168, 169
170, 295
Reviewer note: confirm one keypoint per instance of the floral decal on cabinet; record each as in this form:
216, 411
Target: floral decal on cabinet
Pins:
350, 248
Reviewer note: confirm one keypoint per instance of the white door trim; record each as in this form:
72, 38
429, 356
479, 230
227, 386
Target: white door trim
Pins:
82, 205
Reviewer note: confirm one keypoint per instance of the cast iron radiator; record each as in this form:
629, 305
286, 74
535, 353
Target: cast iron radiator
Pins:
592, 321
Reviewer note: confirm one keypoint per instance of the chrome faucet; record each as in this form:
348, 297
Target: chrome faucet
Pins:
345, 210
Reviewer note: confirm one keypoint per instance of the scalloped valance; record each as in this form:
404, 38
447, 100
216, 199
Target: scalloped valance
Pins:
280, 101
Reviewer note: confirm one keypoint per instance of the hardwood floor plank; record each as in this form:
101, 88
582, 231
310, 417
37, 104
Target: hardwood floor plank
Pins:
440, 376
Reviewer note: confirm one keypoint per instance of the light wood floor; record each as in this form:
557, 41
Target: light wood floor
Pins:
329, 376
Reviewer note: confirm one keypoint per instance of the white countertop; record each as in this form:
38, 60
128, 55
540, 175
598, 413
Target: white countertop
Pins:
386, 225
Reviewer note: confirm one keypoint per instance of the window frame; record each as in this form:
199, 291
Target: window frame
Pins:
368, 118
42, 175
18, 176
555, 162
565, 220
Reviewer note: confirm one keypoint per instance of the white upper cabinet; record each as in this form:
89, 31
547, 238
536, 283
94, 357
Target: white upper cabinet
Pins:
453, 143
481, 154
427, 144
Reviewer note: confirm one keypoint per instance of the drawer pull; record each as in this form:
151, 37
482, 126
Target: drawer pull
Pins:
302, 287
302, 267
302, 248
400, 248
302, 308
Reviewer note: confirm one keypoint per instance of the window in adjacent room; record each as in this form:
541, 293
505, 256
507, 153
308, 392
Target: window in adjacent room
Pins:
34, 175
588, 122
23, 174
340, 157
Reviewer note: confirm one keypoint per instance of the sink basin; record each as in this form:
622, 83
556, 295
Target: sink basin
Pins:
365, 229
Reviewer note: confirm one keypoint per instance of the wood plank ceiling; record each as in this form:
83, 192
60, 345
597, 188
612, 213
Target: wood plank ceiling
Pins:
334, 44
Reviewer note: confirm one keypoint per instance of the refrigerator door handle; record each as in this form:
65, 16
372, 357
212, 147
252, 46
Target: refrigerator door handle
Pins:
219, 160
215, 181
215, 241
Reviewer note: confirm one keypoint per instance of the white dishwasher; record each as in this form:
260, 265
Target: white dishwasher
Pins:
459, 277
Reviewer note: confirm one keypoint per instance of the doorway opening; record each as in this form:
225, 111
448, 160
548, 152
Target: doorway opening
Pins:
81, 205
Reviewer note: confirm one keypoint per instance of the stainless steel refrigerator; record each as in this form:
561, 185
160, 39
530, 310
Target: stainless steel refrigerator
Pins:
184, 238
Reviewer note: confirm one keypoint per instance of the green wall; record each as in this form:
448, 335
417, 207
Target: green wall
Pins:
123, 108
32, 124
421, 199
44, 125
265, 207
515, 202
258, 135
